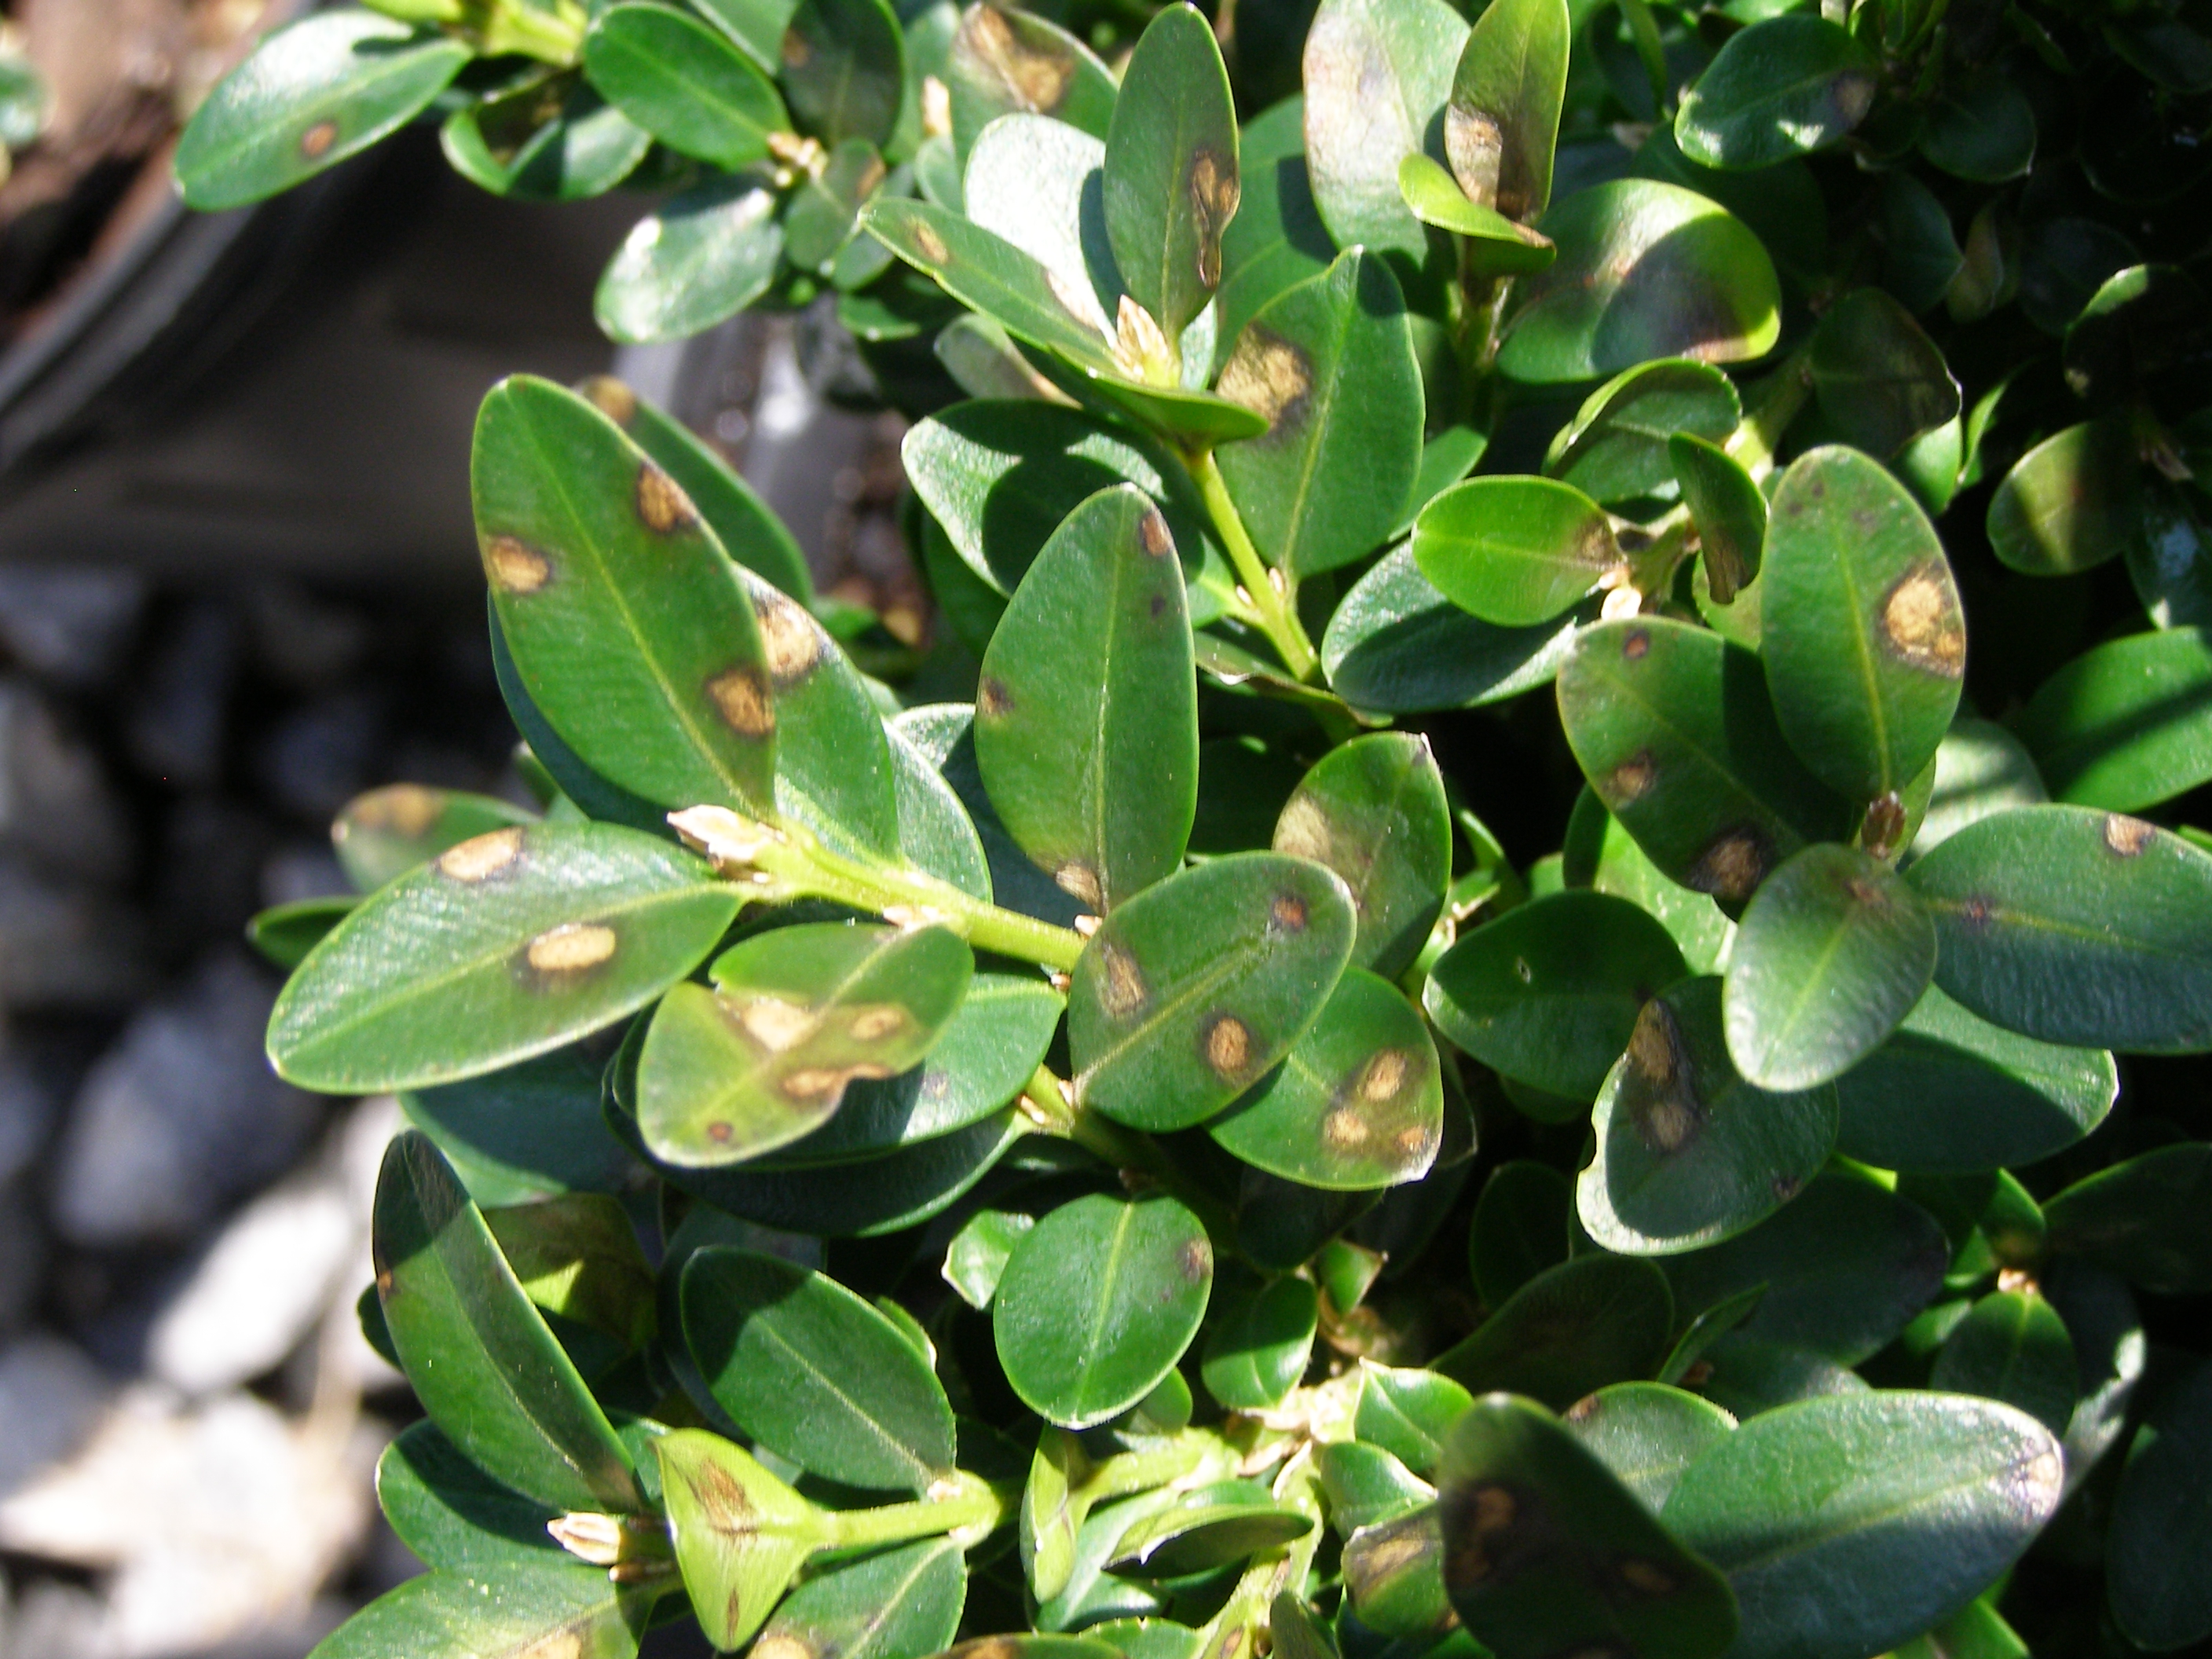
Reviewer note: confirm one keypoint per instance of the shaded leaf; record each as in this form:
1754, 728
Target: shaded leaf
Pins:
1784, 87
1568, 1332
2127, 724
1647, 1434
1395, 645
2013, 1347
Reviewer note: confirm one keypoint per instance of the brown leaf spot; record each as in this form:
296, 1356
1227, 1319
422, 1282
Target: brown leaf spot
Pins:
795, 52
1195, 1261
740, 695
1474, 144
315, 143
1079, 881
1659, 1092
574, 948
1414, 1142
1646, 1577
931, 245
398, 809
1384, 1074
1152, 534
781, 1647
1121, 990
384, 1281
612, 399
1302, 831
1268, 376
718, 1132
875, 1022
775, 1023
1883, 826
2125, 835
1480, 1519
1628, 782
481, 857
561, 1644
1227, 1044
1031, 77
1975, 913
1288, 913
515, 565
1638, 645
1214, 191
1921, 624
1343, 1129
1733, 865
661, 502
992, 700
787, 637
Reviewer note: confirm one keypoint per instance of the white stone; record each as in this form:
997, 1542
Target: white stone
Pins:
49, 1395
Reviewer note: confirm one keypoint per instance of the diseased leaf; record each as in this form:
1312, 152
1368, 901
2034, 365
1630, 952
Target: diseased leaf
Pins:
1374, 811
741, 1536
1502, 122
1376, 76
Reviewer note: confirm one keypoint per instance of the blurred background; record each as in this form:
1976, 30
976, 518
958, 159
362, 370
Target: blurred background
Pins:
238, 585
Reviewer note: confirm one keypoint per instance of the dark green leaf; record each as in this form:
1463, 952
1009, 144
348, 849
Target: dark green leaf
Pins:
452, 1516
529, 1132
704, 256
2148, 1220
1784, 87
2127, 725
284, 933
1981, 127
1568, 1332
1880, 381
2069, 503
508, 946
2162, 1522
486, 1369
1920, 251
1520, 1228
1621, 868
755, 24
311, 95
1516, 551
844, 69
1330, 365
1647, 1433
1193, 991
1549, 992
562, 1606
1098, 1302
1377, 75
1258, 1348
1981, 769
381, 835
1374, 811
1615, 449
1546, 1551
1745, 1376
1397, 646
1727, 509
1919, 1501
2076, 926
2013, 1347
892, 1606
976, 1258
1688, 1152
683, 82
1502, 122
812, 1372
555, 140
564, 769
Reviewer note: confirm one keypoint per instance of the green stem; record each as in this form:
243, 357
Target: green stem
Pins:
974, 1505
1131, 1149
1278, 616
786, 861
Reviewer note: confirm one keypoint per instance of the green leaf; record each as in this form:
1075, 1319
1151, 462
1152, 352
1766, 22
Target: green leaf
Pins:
889, 1606
755, 24
1171, 181
553, 140
1277, 239
1851, 1523
1675, 731
1330, 366
2076, 926
1027, 182
2008, 1099
1502, 122
1845, 1265
284, 933
976, 1258
1197, 1536
1688, 1152
1615, 449
508, 946
1086, 727
1745, 1376
1516, 551
1880, 381
844, 69
2146, 1219
1784, 87
632, 631
1833, 951
1098, 1302
706, 254
749, 530
311, 94
1357, 1104
2170, 564
1397, 646
1500, 246
683, 82
1374, 811
1863, 636
1549, 993
2127, 724
1920, 255
1520, 1228
1377, 75
2069, 503
741, 1536
812, 1372
1645, 269
381, 835
1193, 991
1409, 1413
561, 1607
1568, 1332
984, 270
577, 1256
452, 1516
796, 1014
585, 789
526, 1134
1980, 126
1727, 511
1546, 1551
1647, 1433
1006, 60
484, 1366
1365, 1483
1258, 1348
2013, 1347
2162, 1522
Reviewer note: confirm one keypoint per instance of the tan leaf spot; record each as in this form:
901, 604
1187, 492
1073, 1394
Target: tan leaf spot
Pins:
1646, 1576
814, 1082
796, 53
483, 856
992, 700
1080, 882
1152, 532
1214, 191
515, 565
1627, 783
1343, 1130
1288, 913
741, 695
775, 1023
1384, 1074
781, 1647
574, 947
1413, 1141
932, 245
787, 637
1495, 1509
1638, 645
1883, 826
662, 503
1302, 831
1921, 624
1659, 1093
1267, 375
1121, 990
1034, 78
561, 1644
398, 809
1197, 1260
873, 1024
1474, 144
612, 399
315, 143
1734, 864
1228, 1045
2125, 835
